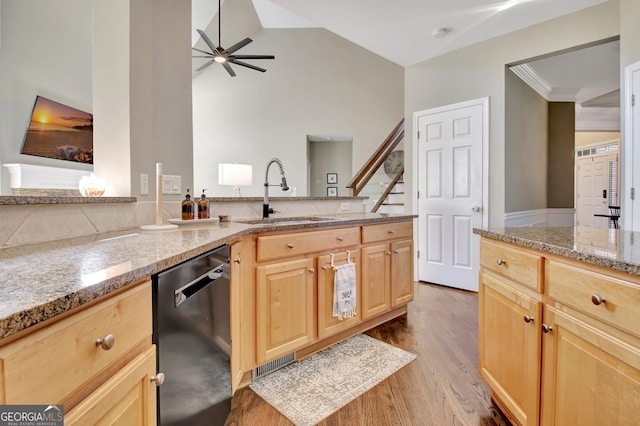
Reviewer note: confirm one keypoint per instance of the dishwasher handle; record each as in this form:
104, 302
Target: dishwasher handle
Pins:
186, 291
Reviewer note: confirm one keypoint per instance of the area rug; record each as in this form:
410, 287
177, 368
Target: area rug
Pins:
310, 390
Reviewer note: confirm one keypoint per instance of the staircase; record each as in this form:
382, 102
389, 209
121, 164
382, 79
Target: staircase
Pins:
394, 203
387, 197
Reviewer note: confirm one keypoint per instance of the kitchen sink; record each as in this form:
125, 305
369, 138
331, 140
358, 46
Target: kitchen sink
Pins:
284, 220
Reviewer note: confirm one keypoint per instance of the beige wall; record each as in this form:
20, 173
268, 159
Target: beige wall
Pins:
479, 70
526, 123
319, 84
594, 138
560, 157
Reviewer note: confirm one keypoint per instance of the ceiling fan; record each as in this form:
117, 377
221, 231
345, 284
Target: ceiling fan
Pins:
226, 56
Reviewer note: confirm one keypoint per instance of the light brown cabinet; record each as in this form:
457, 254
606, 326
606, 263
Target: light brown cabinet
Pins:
329, 325
284, 307
98, 357
562, 347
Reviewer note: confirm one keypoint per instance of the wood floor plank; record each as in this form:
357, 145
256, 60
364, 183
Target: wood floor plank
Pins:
441, 387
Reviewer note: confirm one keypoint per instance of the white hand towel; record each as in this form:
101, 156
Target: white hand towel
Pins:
344, 291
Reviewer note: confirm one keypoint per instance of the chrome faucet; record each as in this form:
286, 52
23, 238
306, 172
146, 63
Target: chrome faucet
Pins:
265, 207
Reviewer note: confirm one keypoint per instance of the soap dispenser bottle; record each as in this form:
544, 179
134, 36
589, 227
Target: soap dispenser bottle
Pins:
188, 207
203, 206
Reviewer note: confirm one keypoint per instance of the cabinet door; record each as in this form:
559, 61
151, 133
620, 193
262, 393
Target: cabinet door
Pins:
509, 347
401, 272
284, 308
589, 376
327, 323
128, 398
376, 279
236, 315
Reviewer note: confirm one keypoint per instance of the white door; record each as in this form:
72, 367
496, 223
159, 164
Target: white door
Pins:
594, 189
450, 198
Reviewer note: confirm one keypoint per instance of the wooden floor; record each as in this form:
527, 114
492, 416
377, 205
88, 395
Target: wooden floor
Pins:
441, 387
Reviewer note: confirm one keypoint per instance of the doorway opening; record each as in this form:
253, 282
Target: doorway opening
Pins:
329, 165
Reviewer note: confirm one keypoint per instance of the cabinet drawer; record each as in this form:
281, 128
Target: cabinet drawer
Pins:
47, 366
518, 265
297, 243
386, 231
608, 298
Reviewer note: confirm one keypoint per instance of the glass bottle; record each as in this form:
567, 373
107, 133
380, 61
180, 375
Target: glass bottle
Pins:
188, 207
203, 206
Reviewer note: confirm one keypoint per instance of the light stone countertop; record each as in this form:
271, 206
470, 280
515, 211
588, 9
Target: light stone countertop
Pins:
39, 281
611, 248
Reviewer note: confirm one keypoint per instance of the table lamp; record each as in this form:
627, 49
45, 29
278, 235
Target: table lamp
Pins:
235, 175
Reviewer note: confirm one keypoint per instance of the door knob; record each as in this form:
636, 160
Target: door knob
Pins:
476, 208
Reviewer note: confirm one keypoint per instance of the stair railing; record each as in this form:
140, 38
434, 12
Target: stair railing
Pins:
387, 191
368, 170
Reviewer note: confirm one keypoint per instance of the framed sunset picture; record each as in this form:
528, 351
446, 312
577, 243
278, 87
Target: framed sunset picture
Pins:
59, 131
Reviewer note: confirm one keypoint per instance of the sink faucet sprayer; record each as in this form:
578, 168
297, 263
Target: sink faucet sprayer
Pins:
265, 207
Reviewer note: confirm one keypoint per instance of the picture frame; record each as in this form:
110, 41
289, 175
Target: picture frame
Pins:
332, 178
332, 191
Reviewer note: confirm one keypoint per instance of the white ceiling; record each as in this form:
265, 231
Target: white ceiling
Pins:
402, 31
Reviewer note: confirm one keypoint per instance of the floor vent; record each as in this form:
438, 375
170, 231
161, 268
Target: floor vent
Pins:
272, 366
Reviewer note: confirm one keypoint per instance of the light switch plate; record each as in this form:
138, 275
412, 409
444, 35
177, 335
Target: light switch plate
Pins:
171, 185
144, 184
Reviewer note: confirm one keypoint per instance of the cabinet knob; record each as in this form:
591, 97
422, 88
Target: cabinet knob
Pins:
388, 253
391, 231
106, 342
158, 379
340, 239
546, 328
237, 260
528, 319
596, 300
290, 245
395, 251
312, 270
501, 262
325, 267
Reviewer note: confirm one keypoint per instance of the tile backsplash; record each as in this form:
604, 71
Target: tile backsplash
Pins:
33, 223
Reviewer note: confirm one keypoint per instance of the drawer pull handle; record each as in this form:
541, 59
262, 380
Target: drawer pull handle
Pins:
237, 260
391, 231
597, 300
312, 270
106, 342
290, 245
158, 379
501, 262
528, 319
340, 239
546, 328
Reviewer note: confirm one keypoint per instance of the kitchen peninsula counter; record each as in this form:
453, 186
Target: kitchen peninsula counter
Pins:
40, 281
614, 249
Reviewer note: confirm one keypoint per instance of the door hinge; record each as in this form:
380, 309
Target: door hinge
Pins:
633, 193
633, 100
418, 195
418, 254
418, 134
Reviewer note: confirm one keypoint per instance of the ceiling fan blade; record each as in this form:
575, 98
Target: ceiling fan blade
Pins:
203, 56
244, 64
239, 45
252, 57
203, 51
207, 40
229, 69
201, 67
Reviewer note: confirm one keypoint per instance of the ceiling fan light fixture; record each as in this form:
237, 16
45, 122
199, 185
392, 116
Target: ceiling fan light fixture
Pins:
220, 59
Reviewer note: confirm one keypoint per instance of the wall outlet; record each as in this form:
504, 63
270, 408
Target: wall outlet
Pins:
144, 184
345, 206
172, 185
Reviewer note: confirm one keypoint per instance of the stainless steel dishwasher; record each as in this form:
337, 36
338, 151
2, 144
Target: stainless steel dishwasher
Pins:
192, 333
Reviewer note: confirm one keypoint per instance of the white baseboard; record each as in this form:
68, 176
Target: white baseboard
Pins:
540, 218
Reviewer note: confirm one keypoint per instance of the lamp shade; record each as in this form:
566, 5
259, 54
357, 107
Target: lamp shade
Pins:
235, 175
